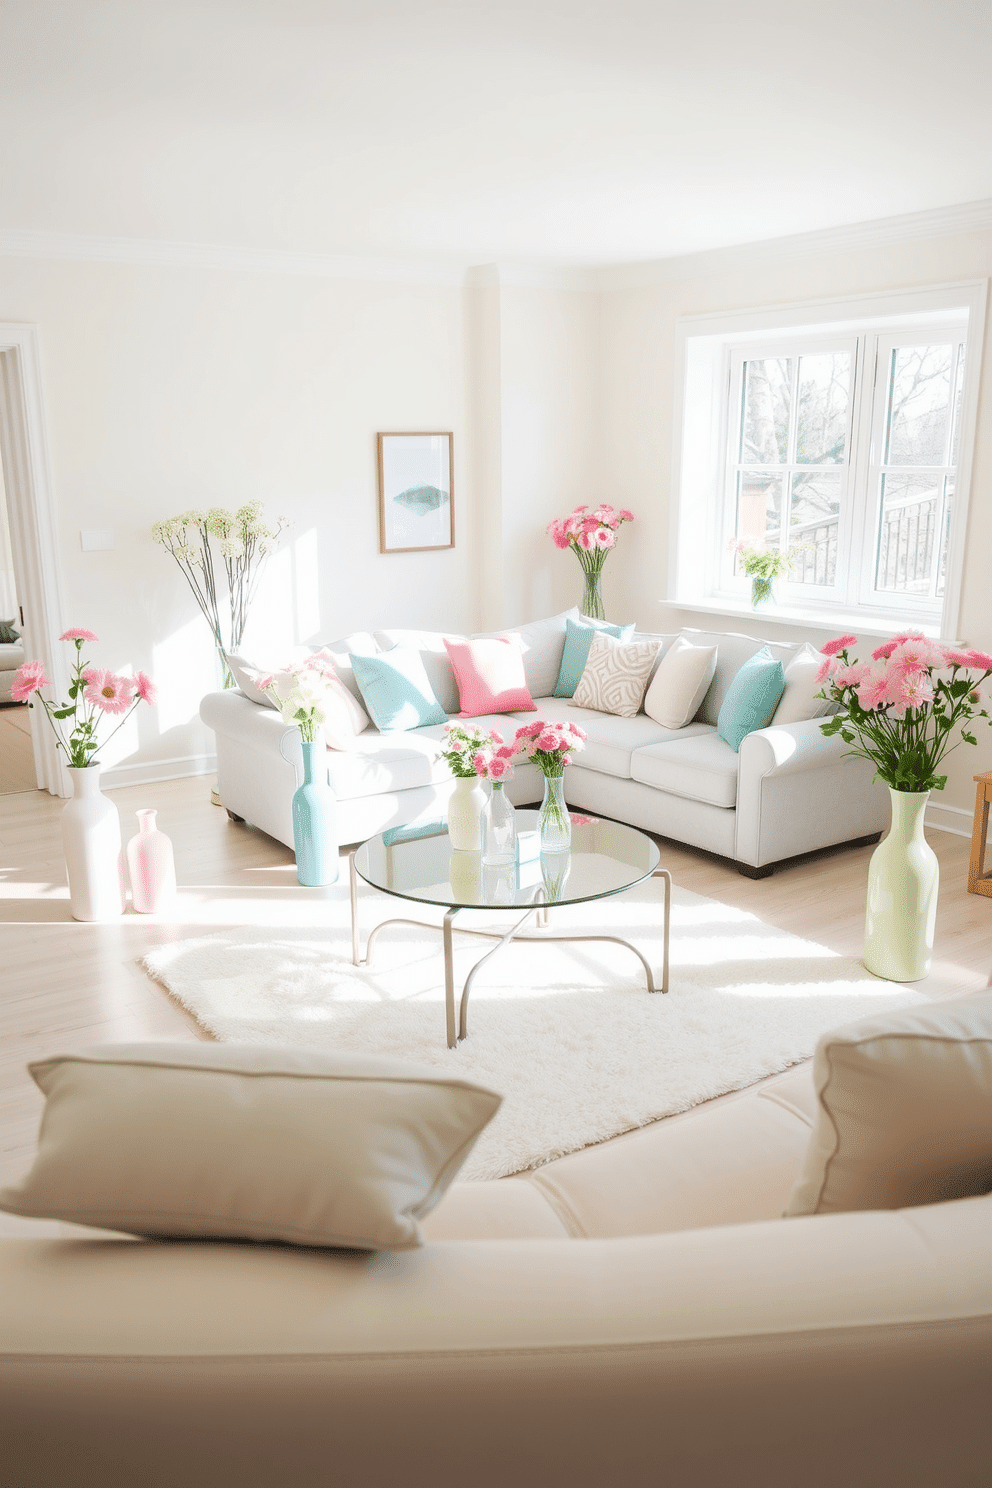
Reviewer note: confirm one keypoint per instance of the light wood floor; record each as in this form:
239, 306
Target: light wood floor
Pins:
66, 984
16, 755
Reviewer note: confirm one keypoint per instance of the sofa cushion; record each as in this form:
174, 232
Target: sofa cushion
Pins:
379, 763
751, 698
255, 1142
396, 691
731, 654
490, 675
578, 639
905, 1110
616, 675
680, 683
433, 654
543, 642
340, 652
702, 767
801, 701
610, 741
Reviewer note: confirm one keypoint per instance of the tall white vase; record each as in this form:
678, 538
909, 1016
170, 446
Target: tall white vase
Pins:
151, 866
465, 807
91, 841
903, 876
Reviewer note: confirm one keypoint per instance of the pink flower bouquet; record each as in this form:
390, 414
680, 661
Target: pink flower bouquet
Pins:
549, 745
590, 534
900, 709
495, 761
93, 692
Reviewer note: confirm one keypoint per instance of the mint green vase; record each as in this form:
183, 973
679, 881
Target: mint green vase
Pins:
903, 876
314, 821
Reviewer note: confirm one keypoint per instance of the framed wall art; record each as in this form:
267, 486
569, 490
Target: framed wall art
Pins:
416, 492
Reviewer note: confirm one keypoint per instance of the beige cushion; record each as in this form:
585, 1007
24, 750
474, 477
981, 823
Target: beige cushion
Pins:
732, 652
905, 1111
701, 768
680, 683
799, 701
615, 676
247, 1142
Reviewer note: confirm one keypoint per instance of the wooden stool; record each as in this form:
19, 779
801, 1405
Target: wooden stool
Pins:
980, 881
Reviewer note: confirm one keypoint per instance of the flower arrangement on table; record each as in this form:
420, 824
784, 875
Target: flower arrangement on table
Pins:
591, 534
93, 693
763, 566
551, 746
464, 745
901, 709
243, 540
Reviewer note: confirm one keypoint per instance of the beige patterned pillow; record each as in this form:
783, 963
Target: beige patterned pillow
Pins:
616, 675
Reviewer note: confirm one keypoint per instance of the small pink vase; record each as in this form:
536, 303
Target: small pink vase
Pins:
151, 866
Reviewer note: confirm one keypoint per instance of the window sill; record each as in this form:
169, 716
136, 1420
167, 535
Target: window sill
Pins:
830, 622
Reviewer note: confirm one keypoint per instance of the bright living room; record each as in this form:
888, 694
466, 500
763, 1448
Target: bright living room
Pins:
178, 375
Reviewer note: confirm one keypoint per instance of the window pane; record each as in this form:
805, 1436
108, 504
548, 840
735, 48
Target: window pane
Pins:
956, 431
911, 533
824, 395
767, 400
814, 523
919, 404
945, 535
759, 507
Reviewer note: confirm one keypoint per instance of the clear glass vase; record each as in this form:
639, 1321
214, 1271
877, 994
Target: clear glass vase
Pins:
499, 843
592, 599
761, 591
553, 819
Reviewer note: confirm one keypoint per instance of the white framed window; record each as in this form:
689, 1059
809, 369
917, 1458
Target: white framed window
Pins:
844, 441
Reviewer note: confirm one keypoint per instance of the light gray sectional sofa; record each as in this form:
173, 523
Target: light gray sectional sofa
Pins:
788, 791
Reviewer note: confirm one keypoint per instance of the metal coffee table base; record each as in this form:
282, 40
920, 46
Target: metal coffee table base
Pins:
537, 912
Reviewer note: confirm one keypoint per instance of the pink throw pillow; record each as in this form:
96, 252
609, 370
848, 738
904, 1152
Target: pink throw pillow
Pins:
490, 677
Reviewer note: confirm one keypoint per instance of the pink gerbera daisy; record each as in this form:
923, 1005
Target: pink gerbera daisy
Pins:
841, 643
76, 634
884, 651
28, 679
874, 689
145, 687
549, 741
980, 659
108, 691
826, 669
954, 657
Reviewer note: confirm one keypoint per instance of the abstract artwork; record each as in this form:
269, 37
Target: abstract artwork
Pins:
416, 492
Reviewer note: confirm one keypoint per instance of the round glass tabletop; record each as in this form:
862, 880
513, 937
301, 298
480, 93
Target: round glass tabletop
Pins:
417, 862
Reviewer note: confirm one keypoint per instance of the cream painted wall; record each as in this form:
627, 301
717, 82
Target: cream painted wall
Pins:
638, 393
167, 388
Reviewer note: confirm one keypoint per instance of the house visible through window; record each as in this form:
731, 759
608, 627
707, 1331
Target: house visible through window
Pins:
841, 446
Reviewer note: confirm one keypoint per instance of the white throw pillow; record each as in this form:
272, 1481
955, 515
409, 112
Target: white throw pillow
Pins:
799, 701
239, 1141
616, 674
905, 1110
247, 674
680, 683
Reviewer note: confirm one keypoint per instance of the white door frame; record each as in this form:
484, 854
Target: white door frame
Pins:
31, 506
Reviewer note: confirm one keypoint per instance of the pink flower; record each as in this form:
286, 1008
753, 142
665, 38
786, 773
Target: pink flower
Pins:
28, 679
578, 509
605, 538
910, 690
874, 689
826, 669
980, 659
480, 763
548, 741
586, 539
529, 730
917, 653
851, 676
107, 691
77, 635
505, 752
954, 657
884, 651
625, 515
496, 738
145, 687
573, 728
500, 769
840, 644
583, 821
558, 531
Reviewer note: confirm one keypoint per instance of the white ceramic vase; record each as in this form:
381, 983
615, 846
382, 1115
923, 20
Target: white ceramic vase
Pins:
151, 866
91, 841
903, 876
465, 807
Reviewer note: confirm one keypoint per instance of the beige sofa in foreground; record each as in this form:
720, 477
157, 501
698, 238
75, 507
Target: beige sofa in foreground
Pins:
636, 1314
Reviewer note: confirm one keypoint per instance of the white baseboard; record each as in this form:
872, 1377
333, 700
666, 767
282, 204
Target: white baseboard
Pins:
159, 769
950, 819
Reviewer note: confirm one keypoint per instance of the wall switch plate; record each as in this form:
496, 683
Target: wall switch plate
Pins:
96, 539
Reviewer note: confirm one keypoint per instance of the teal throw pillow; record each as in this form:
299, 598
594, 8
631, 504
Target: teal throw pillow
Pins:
396, 690
751, 698
578, 639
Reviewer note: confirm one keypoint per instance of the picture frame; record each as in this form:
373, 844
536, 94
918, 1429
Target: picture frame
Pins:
416, 491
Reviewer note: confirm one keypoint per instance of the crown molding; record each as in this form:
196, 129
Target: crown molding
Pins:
939, 222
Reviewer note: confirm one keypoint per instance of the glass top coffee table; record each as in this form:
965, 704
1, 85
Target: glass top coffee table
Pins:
418, 863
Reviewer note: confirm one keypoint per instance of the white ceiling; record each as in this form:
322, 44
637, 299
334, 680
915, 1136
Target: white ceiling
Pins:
542, 131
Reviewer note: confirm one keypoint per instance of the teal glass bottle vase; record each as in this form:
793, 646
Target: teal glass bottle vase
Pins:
315, 837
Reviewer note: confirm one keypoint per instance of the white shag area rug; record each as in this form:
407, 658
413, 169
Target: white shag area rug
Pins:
566, 1033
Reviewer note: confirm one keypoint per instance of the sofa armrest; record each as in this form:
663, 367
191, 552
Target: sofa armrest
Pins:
799, 790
